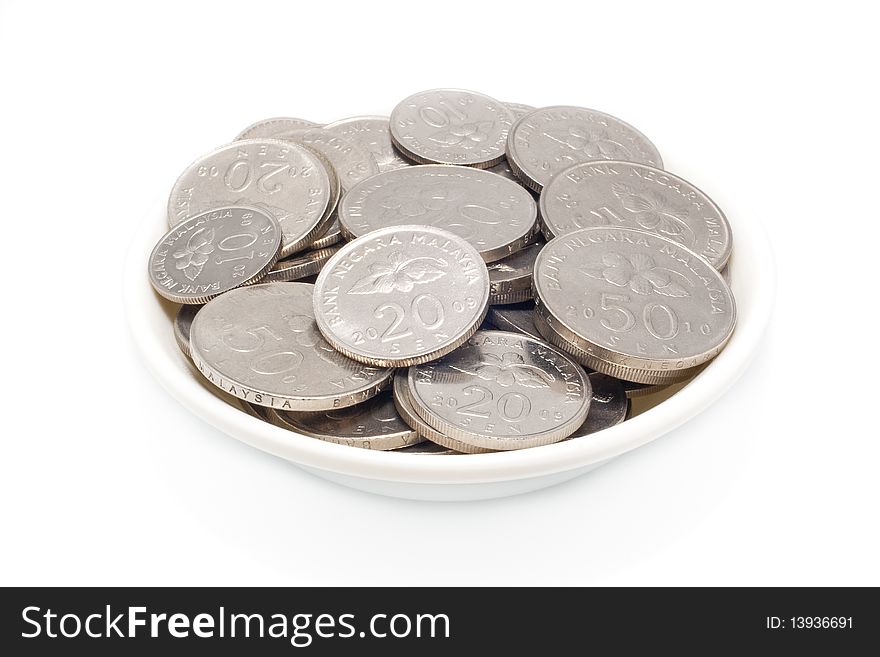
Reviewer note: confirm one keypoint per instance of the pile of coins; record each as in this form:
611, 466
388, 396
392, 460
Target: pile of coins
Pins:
465, 276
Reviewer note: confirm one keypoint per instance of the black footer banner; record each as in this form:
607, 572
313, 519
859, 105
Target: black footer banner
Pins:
427, 621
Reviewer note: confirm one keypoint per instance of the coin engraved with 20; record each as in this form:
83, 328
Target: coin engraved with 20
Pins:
401, 295
285, 180
502, 391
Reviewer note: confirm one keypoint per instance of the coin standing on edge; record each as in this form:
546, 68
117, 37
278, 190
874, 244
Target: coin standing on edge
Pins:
214, 252
495, 215
502, 391
401, 295
609, 405
451, 126
283, 179
301, 265
372, 133
276, 128
631, 304
550, 139
510, 279
516, 318
373, 424
260, 344
629, 195
403, 402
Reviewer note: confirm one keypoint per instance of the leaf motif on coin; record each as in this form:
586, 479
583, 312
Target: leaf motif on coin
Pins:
639, 273
192, 258
399, 274
507, 370
466, 135
654, 212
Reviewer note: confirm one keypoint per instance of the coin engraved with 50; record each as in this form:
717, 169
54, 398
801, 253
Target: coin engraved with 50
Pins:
260, 343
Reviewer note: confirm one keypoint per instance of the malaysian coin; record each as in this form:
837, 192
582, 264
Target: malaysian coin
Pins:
374, 424
451, 126
550, 139
299, 266
260, 343
629, 195
182, 324
496, 216
214, 252
516, 317
332, 237
401, 295
284, 179
608, 405
276, 128
373, 135
351, 162
403, 402
510, 280
502, 391
631, 304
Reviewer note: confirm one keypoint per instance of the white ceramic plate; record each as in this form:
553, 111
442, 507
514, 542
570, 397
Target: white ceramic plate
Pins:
471, 477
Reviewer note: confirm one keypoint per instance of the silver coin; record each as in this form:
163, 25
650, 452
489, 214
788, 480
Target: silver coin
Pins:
404, 405
510, 279
307, 263
182, 324
451, 126
628, 195
260, 343
401, 295
495, 215
332, 237
631, 304
351, 162
502, 391
214, 252
517, 318
371, 133
275, 128
550, 139
374, 424
284, 179
609, 405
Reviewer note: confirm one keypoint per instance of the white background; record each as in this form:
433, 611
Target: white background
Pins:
107, 480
